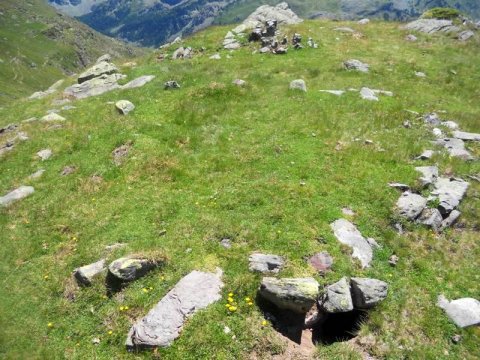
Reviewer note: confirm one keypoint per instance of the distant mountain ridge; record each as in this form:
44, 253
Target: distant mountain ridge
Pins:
153, 22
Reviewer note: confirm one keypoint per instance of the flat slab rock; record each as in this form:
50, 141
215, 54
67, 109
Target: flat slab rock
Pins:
265, 263
163, 324
455, 147
466, 136
463, 312
99, 69
431, 26
348, 234
15, 195
411, 205
296, 294
449, 191
357, 65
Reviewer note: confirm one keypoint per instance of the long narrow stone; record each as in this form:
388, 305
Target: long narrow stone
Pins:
15, 195
163, 324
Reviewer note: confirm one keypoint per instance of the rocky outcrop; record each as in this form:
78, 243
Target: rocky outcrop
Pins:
431, 26
281, 13
163, 324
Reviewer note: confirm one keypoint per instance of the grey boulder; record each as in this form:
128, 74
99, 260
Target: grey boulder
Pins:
86, 274
431, 26
97, 70
15, 195
298, 84
449, 192
337, 297
411, 205
265, 263
451, 219
431, 218
124, 106
45, 154
296, 294
95, 86
463, 312
128, 269
368, 94
466, 136
455, 147
348, 234
163, 324
429, 174
366, 293
357, 65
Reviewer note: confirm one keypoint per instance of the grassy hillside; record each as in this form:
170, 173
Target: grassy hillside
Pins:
266, 167
39, 46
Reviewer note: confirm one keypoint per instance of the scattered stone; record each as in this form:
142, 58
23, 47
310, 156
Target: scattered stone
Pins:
455, 147
226, 243
322, 262
368, 94
466, 136
344, 29
420, 74
407, 124
9, 128
429, 174
227, 330
216, 57
15, 195
411, 205
45, 154
456, 339
356, 65
37, 174
431, 218
265, 263
363, 21
298, 84
465, 35
95, 341
451, 219
426, 155
86, 274
349, 235
463, 312
348, 212
449, 192
52, 117
432, 119
393, 260
280, 51
264, 50
311, 43
452, 125
437, 132
171, 85
120, 153
431, 26
138, 82
334, 92
296, 294
337, 297
163, 324
239, 82
99, 69
128, 269
411, 38
367, 293
124, 106
67, 170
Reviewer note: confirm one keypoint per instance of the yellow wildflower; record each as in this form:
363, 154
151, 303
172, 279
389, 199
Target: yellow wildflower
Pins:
230, 300
232, 308
50, 325
230, 294
110, 332
264, 323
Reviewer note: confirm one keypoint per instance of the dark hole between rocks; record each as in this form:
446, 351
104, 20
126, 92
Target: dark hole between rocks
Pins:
330, 328
339, 327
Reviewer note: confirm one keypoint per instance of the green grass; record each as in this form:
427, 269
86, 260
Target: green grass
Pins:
211, 161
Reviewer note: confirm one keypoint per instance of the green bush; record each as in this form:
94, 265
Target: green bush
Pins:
441, 13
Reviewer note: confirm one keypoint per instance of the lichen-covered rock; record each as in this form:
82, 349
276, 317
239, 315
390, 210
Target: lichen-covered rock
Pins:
296, 294
265, 263
411, 205
337, 297
366, 293
86, 274
163, 324
52, 117
15, 195
128, 269
463, 312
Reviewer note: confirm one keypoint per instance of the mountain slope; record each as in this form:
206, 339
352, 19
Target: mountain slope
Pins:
39, 46
153, 22
267, 169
